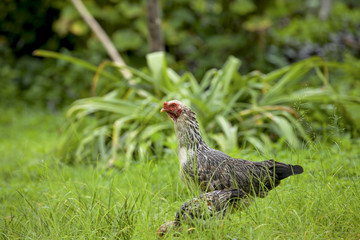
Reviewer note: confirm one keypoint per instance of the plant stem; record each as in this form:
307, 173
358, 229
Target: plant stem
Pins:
103, 37
154, 26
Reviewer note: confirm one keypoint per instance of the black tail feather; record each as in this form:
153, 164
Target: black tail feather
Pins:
283, 170
297, 169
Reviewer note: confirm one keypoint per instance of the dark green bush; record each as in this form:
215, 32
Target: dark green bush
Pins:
199, 35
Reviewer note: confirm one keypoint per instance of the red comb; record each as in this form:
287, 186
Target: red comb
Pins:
165, 103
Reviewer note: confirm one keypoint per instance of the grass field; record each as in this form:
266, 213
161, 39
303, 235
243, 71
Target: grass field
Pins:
41, 198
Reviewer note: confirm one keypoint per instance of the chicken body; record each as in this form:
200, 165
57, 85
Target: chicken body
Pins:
226, 181
214, 170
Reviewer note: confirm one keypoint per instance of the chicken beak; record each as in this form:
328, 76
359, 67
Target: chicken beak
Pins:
162, 110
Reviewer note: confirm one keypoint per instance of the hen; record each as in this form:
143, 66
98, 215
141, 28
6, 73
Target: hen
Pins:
224, 179
214, 170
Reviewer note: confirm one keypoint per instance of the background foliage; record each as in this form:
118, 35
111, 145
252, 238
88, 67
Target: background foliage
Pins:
199, 35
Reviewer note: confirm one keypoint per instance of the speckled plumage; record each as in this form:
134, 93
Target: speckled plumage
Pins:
214, 170
223, 178
206, 205
211, 203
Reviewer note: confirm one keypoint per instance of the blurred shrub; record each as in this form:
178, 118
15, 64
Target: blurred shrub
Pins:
199, 35
42, 82
123, 123
24, 27
264, 34
304, 34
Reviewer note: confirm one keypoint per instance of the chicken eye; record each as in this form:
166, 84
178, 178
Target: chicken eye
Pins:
173, 105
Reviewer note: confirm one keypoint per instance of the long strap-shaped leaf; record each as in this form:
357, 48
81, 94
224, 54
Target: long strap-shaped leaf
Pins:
74, 60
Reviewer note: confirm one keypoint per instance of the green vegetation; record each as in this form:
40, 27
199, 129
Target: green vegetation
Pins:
122, 122
267, 79
42, 198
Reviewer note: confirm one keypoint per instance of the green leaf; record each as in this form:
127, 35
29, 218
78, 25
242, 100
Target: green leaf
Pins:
229, 131
87, 65
286, 131
230, 68
256, 142
158, 67
150, 130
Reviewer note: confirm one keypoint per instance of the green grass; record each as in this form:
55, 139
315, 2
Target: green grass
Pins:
42, 198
